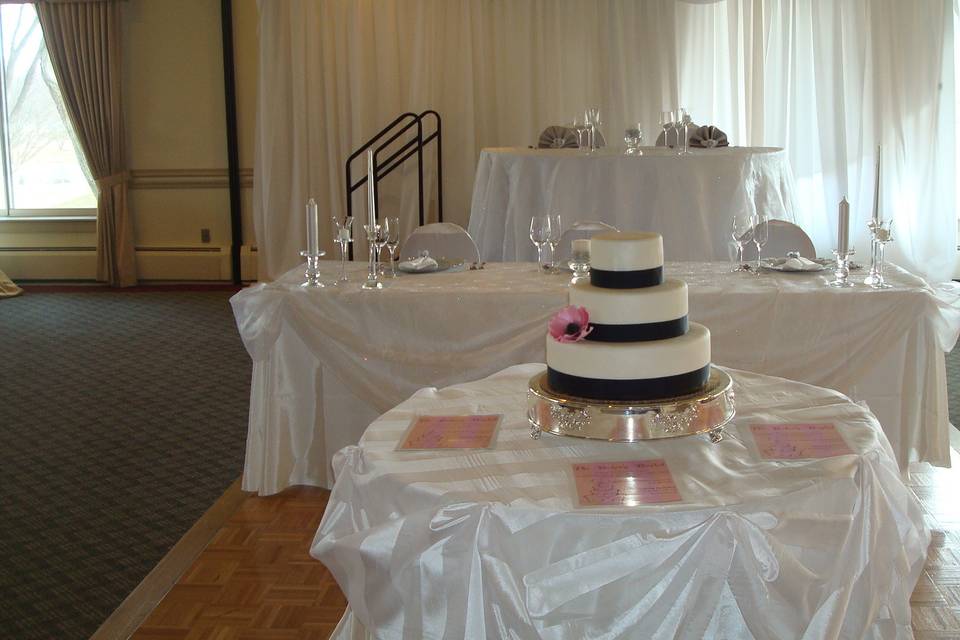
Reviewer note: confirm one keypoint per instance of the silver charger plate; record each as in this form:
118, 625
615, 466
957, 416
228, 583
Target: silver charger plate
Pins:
706, 411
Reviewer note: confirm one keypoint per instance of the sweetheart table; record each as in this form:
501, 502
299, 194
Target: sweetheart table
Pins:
690, 200
491, 543
327, 362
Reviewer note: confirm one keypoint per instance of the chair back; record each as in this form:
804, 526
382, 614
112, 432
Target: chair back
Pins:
442, 240
782, 237
582, 229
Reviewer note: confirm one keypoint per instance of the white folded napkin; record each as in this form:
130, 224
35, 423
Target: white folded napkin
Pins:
421, 264
796, 264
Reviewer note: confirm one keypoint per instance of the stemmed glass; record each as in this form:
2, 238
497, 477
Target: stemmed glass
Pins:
344, 237
592, 117
680, 116
375, 243
633, 137
666, 123
741, 229
392, 240
684, 128
882, 234
579, 125
539, 236
553, 238
761, 233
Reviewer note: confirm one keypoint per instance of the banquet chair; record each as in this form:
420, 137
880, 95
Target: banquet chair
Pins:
783, 237
580, 230
441, 240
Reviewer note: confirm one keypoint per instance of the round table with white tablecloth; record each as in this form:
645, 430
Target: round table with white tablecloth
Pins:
690, 200
491, 543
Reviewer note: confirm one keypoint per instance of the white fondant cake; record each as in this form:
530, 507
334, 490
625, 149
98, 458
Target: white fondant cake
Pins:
640, 345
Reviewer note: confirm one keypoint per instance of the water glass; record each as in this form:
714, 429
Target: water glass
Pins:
633, 137
539, 235
684, 134
741, 228
666, 123
553, 238
343, 238
761, 233
392, 240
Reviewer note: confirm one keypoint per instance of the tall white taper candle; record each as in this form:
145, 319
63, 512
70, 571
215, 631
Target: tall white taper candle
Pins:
371, 201
843, 227
876, 190
313, 228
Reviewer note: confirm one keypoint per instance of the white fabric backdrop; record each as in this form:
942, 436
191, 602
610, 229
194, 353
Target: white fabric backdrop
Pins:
825, 80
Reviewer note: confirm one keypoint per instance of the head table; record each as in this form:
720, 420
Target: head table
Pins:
690, 200
492, 543
327, 362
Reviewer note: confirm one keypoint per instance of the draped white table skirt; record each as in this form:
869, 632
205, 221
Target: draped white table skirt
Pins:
491, 544
690, 200
327, 362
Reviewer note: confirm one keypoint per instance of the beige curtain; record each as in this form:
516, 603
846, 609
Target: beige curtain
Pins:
83, 39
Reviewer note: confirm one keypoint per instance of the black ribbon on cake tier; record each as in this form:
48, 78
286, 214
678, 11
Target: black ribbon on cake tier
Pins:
628, 390
626, 279
638, 332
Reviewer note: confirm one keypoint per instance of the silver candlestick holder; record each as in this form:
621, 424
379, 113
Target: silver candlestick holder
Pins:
881, 232
841, 269
313, 269
374, 240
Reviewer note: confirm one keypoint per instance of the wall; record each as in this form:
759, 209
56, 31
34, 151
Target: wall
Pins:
176, 145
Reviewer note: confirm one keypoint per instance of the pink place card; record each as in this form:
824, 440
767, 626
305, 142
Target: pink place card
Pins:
797, 441
450, 432
624, 484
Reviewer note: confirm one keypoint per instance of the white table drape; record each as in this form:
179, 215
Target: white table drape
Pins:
489, 544
326, 362
690, 200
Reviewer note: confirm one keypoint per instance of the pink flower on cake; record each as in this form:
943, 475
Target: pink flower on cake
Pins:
571, 324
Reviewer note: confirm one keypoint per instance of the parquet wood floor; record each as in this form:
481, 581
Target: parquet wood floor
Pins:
256, 580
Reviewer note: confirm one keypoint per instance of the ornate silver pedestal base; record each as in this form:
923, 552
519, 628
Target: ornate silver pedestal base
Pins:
704, 412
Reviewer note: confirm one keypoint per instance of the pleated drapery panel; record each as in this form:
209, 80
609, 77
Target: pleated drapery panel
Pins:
828, 81
83, 39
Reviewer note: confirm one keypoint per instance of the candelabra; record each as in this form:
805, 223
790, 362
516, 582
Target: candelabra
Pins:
841, 269
313, 268
374, 241
880, 232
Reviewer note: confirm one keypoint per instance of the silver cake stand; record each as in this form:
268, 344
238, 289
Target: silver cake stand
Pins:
703, 412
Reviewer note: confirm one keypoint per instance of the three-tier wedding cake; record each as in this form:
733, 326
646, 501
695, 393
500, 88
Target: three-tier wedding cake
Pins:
625, 336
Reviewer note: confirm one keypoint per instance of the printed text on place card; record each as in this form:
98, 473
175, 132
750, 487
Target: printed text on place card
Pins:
624, 484
797, 441
451, 432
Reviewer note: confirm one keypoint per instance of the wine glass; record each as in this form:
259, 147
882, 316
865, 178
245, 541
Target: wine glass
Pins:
761, 233
392, 240
374, 237
592, 117
741, 229
539, 235
344, 238
666, 123
579, 126
553, 238
684, 134
678, 117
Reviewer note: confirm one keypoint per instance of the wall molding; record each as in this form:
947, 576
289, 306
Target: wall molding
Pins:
186, 179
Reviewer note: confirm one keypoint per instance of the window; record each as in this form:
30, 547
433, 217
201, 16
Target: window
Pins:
44, 171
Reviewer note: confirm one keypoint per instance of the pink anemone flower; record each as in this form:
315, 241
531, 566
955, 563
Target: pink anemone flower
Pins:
571, 324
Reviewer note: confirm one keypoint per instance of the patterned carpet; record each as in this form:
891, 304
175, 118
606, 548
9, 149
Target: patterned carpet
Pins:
122, 419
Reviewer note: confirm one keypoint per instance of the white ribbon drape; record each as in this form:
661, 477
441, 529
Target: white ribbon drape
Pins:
827, 80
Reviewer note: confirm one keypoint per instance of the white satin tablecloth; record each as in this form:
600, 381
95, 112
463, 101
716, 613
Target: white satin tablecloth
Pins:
690, 200
327, 362
490, 544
